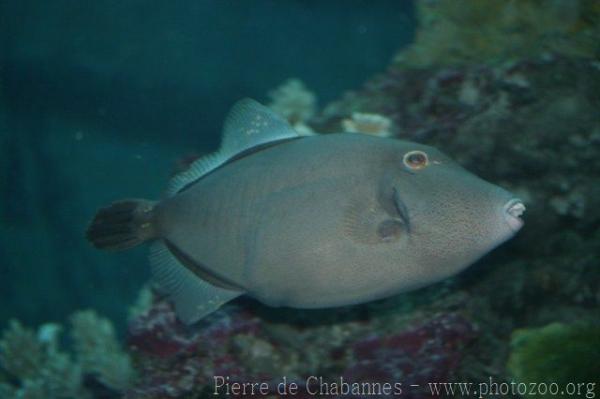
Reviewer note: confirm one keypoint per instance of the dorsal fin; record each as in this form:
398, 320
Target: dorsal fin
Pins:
196, 170
248, 124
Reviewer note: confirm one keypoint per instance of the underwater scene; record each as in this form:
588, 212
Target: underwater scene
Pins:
299, 199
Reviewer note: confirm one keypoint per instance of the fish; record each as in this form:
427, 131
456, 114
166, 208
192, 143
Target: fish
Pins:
309, 221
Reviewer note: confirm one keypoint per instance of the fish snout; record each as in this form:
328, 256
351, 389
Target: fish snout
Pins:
513, 210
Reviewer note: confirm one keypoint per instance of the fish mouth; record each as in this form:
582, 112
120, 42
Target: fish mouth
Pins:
512, 213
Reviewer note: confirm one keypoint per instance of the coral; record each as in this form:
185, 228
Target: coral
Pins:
34, 360
539, 115
453, 32
293, 101
7, 391
176, 361
556, 353
144, 301
42, 370
570, 204
377, 125
98, 351
21, 353
426, 352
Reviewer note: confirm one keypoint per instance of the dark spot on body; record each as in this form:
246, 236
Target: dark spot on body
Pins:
389, 230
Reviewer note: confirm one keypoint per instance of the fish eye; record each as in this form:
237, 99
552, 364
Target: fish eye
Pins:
415, 160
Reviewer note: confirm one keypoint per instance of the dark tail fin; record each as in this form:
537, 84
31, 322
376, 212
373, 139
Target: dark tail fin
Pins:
122, 225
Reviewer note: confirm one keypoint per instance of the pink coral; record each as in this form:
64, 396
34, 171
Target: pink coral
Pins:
428, 352
175, 360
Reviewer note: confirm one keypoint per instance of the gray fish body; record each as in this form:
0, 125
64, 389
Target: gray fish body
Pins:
309, 221
297, 224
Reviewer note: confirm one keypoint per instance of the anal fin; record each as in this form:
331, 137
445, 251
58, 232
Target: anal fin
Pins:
193, 297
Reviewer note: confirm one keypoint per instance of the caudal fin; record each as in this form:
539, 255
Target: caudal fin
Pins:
122, 225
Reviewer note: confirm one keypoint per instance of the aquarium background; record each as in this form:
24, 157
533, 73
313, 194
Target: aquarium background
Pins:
107, 100
100, 100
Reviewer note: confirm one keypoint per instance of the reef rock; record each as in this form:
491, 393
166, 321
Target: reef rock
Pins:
174, 360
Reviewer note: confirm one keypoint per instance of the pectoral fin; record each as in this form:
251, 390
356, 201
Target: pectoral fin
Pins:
376, 222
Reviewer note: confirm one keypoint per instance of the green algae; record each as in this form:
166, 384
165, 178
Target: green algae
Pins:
453, 32
556, 353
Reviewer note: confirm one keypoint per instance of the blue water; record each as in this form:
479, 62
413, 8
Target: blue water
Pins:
99, 101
